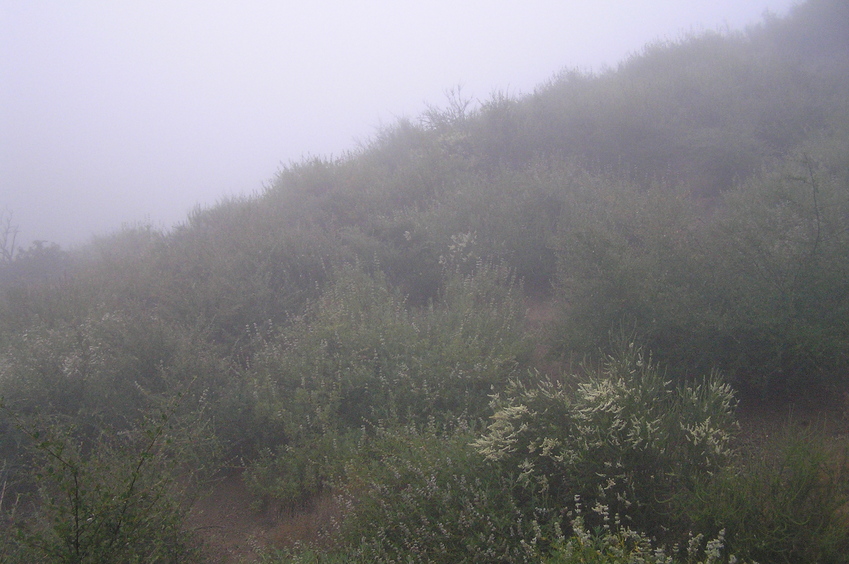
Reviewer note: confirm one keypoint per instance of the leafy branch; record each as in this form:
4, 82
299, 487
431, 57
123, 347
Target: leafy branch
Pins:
98, 501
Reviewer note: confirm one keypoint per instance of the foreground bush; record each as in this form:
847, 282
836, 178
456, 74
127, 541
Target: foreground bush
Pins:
361, 358
786, 501
625, 442
621, 545
426, 496
120, 498
596, 474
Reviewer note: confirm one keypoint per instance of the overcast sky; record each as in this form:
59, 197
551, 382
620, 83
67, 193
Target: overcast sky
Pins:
127, 111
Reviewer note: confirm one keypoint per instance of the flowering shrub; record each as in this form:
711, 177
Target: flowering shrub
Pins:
624, 545
626, 440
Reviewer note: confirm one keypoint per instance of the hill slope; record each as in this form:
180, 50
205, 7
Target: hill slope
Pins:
692, 202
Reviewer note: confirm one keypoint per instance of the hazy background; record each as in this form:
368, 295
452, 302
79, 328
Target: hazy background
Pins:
118, 111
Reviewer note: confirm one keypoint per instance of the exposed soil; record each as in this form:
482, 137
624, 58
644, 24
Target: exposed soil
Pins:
233, 531
540, 313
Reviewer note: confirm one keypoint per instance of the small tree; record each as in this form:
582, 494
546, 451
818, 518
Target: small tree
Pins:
8, 236
116, 499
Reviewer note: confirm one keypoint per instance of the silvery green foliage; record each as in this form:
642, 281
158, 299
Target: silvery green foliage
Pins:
626, 438
361, 357
615, 544
425, 496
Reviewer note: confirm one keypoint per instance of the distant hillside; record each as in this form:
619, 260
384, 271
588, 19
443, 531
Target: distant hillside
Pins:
701, 115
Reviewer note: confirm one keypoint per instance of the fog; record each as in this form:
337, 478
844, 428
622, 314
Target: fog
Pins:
117, 113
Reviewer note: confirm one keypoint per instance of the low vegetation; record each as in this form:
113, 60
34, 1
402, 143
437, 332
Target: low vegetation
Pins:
357, 334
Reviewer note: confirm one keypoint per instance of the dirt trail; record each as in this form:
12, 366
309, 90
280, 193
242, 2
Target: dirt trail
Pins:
234, 532
540, 313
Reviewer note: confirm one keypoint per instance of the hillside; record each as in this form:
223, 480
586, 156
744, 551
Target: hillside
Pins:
516, 329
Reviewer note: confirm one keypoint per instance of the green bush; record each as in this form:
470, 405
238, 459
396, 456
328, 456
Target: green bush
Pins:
757, 288
290, 475
119, 498
627, 255
780, 254
360, 357
240, 263
364, 356
785, 501
106, 368
626, 439
426, 496
511, 214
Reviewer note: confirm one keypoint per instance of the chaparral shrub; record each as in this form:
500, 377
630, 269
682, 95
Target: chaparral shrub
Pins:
361, 357
783, 501
626, 439
120, 497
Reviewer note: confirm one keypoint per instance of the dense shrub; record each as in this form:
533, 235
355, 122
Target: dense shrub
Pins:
360, 357
758, 287
239, 264
624, 443
627, 255
121, 497
426, 496
785, 501
106, 368
780, 254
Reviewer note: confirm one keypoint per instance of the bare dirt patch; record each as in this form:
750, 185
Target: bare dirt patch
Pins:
541, 314
233, 531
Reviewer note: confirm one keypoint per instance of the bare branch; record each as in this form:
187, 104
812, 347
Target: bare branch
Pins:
8, 236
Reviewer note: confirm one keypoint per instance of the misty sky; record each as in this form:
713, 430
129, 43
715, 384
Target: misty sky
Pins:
120, 111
